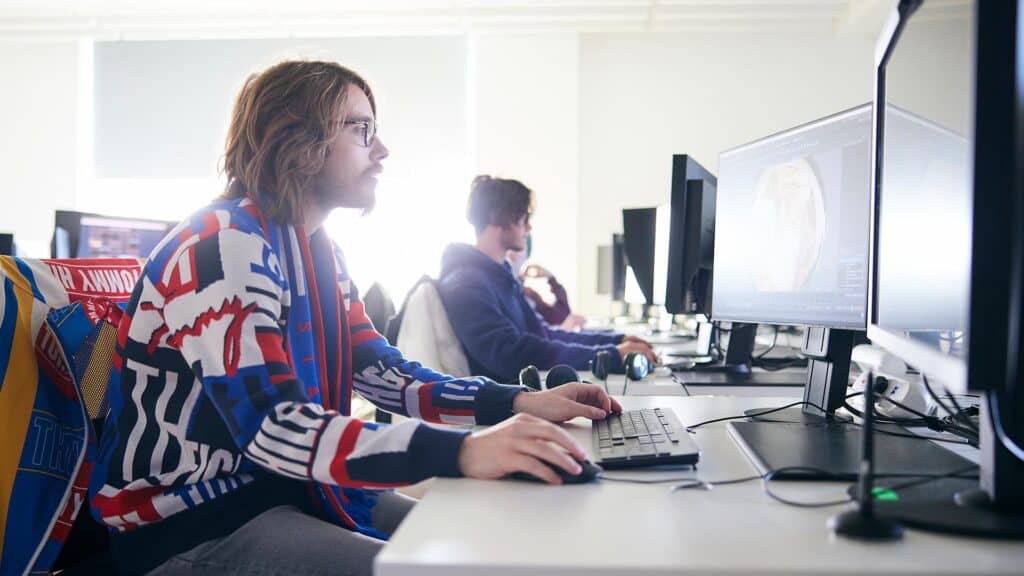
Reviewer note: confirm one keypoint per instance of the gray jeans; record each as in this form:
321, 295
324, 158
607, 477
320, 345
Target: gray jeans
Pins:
284, 540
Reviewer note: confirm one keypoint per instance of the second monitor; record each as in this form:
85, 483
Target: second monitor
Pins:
791, 242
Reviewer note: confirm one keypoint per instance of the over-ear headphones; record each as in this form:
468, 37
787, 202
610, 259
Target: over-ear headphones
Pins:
599, 367
558, 375
530, 377
636, 366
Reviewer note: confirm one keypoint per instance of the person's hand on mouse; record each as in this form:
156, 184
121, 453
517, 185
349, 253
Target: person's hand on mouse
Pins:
640, 346
567, 402
523, 443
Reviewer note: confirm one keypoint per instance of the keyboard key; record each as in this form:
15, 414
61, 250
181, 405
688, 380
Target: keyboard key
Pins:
641, 450
642, 438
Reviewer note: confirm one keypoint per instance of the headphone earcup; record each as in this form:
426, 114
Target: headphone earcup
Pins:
636, 365
599, 365
530, 377
561, 374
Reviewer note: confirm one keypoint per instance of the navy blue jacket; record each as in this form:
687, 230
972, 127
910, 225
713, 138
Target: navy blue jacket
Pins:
499, 330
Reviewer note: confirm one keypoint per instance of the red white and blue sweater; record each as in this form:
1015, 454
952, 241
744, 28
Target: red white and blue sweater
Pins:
240, 348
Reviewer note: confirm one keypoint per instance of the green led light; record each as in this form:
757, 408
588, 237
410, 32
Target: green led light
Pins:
884, 494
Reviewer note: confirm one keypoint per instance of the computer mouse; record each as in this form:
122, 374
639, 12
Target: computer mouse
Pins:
589, 473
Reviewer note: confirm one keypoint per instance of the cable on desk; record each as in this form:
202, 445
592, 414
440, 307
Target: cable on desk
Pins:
680, 382
766, 480
690, 429
938, 401
946, 424
710, 484
918, 479
775, 340
931, 478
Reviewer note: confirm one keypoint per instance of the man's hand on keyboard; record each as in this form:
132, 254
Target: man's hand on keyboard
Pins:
567, 402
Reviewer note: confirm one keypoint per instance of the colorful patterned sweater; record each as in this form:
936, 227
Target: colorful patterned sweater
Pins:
240, 348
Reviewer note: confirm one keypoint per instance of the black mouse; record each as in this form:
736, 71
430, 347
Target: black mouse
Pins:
589, 473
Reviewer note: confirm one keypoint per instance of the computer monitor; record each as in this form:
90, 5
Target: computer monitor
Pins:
691, 238
791, 228
618, 272
646, 243
7, 244
947, 269
791, 242
82, 235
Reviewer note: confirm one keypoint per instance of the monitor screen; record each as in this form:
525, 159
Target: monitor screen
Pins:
924, 231
80, 235
924, 203
791, 226
6, 244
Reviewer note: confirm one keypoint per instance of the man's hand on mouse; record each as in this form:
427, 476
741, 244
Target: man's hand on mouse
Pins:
523, 443
567, 402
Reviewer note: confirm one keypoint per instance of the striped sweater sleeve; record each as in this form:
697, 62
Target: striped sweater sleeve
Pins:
222, 310
395, 384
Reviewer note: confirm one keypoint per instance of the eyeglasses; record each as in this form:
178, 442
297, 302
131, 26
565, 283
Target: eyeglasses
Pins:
367, 130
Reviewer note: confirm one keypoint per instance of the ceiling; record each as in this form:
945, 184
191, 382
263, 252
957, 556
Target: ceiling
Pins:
157, 19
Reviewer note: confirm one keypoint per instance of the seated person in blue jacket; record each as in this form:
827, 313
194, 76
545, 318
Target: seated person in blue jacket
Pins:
497, 327
229, 447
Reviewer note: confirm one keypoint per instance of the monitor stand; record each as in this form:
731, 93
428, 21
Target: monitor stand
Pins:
828, 372
738, 354
814, 438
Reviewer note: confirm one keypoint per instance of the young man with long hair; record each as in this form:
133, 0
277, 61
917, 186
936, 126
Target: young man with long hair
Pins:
229, 447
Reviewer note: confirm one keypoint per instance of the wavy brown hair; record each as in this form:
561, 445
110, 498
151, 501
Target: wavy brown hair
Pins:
282, 125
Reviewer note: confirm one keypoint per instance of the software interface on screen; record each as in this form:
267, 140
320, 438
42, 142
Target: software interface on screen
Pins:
791, 225
116, 238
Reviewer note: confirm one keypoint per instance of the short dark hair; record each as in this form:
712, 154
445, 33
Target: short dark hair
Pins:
497, 201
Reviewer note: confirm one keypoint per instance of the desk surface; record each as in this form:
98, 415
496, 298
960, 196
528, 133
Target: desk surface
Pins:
658, 384
516, 528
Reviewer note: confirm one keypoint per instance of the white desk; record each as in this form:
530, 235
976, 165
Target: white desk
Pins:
473, 527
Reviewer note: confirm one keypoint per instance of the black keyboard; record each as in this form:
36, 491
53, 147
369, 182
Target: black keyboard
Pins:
647, 437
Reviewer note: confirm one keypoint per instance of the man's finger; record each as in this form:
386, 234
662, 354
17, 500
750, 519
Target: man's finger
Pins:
588, 411
547, 452
616, 407
552, 433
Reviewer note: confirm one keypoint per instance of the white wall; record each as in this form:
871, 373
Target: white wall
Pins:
644, 97
525, 126
588, 121
38, 138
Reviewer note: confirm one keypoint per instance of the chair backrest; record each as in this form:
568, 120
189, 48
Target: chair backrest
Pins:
424, 333
379, 306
